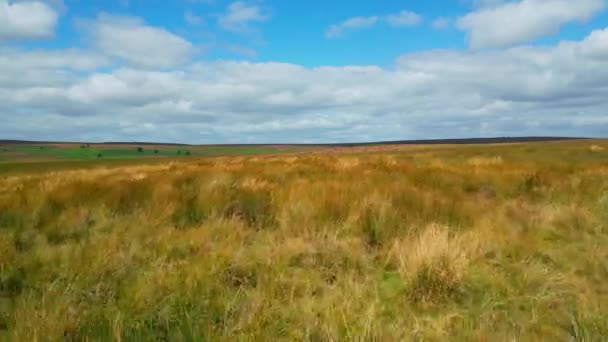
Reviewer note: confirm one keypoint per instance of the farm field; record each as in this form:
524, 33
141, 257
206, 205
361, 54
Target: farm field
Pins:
387, 243
76, 152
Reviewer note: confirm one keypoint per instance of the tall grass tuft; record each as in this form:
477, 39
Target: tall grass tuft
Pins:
433, 264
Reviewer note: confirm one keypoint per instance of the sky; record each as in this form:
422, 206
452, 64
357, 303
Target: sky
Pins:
316, 71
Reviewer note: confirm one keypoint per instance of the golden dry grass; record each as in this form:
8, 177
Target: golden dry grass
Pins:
461, 243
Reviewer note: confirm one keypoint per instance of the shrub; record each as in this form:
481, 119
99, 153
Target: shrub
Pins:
140, 149
11, 282
9, 219
433, 283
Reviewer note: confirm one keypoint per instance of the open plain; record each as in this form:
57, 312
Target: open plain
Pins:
482, 243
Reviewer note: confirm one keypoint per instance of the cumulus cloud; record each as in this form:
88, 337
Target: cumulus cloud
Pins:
512, 23
404, 19
130, 39
45, 68
240, 15
26, 20
352, 24
559, 90
596, 45
73, 59
401, 19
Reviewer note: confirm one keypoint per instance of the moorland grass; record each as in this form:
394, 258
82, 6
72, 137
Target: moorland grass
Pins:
461, 243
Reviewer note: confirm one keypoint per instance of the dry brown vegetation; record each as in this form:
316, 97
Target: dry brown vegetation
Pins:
462, 243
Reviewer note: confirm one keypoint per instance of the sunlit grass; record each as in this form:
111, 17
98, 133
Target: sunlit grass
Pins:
435, 243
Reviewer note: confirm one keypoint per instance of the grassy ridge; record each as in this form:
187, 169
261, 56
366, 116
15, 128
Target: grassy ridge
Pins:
465, 243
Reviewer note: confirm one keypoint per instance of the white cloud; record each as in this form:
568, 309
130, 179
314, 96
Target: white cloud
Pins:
441, 23
73, 59
404, 19
401, 19
132, 40
351, 24
240, 15
559, 90
523, 21
26, 20
45, 68
596, 45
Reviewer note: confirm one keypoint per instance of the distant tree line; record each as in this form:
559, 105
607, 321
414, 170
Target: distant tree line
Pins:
156, 151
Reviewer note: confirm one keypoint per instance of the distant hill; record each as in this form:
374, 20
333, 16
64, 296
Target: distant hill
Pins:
497, 140
478, 141
33, 142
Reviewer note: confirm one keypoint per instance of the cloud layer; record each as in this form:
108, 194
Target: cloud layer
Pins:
401, 19
536, 90
131, 40
512, 23
351, 24
26, 20
240, 15
134, 81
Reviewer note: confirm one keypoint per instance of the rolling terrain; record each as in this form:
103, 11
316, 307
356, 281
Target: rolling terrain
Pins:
391, 242
14, 154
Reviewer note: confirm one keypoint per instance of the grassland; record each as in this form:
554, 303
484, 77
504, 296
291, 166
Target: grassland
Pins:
479, 243
20, 153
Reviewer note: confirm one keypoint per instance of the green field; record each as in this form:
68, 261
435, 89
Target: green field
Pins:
16, 159
76, 152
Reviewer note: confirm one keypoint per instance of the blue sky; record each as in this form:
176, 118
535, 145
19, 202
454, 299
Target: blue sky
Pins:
220, 71
295, 31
